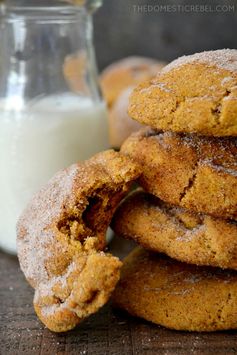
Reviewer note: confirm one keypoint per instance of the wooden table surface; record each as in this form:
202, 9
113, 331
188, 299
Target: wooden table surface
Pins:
109, 331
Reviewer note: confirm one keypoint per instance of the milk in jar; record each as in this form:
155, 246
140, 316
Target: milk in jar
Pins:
36, 141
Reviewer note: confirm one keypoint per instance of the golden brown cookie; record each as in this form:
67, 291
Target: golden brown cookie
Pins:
120, 124
177, 295
196, 93
61, 234
183, 235
198, 173
126, 72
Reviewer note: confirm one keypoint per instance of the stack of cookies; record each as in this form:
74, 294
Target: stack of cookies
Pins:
187, 207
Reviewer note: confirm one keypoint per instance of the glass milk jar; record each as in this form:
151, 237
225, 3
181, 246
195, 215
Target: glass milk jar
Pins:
51, 111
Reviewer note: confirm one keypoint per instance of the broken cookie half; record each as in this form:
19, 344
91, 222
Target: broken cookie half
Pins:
61, 236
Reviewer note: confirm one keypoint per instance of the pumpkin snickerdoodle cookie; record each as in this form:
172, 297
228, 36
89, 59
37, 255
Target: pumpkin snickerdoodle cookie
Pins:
126, 72
177, 295
61, 235
120, 124
196, 93
183, 235
195, 172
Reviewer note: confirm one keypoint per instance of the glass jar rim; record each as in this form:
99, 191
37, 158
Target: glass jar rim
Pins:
49, 7
64, 9
47, 13
61, 6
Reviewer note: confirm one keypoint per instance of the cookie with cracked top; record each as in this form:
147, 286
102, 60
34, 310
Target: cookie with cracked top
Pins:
183, 235
196, 93
177, 295
61, 236
195, 172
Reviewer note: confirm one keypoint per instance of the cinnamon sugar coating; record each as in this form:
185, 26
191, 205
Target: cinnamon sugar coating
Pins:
195, 172
196, 93
181, 234
177, 295
61, 235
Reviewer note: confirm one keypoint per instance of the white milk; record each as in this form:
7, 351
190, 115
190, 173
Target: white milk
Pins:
49, 134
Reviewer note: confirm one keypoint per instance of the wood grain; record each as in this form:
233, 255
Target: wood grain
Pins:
109, 332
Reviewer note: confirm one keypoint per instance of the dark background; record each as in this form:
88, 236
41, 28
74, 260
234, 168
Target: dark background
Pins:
120, 31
